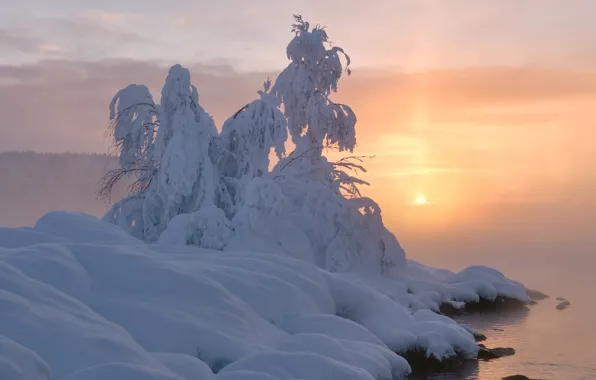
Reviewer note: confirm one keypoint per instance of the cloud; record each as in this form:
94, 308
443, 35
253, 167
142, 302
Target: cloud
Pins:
81, 38
418, 105
110, 18
88, 40
62, 105
11, 41
52, 51
402, 33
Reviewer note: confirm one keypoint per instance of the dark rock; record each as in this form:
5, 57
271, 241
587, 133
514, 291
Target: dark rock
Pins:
486, 354
216, 365
563, 305
479, 337
536, 295
420, 363
449, 310
503, 351
516, 377
499, 304
423, 365
493, 353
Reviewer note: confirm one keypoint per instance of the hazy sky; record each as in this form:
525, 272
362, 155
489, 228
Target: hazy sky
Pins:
488, 108
248, 35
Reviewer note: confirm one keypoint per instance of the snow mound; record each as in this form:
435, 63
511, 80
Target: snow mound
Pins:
186, 366
395, 324
84, 300
18, 362
81, 227
300, 365
330, 325
469, 285
121, 371
487, 283
18, 237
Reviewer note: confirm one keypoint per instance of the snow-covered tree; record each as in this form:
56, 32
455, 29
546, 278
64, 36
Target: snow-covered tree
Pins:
134, 120
208, 228
344, 234
179, 95
314, 120
128, 215
185, 177
181, 177
215, 190
241, 151
304, 87
133, 117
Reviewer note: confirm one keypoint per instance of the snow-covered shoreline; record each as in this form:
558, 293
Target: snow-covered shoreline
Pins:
81, 299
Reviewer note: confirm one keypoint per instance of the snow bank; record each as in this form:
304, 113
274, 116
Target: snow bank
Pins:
79, 227
395, 323
468, 285
479, 281
81, 299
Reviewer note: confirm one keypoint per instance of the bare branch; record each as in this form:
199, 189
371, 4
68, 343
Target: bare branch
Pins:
299, 156
240, 110
346, 182
139, 186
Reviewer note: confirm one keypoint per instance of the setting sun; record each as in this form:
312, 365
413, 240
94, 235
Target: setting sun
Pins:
420, 200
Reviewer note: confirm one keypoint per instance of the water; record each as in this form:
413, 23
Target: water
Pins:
550, 344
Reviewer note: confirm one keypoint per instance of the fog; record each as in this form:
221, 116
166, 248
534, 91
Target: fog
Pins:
33, 184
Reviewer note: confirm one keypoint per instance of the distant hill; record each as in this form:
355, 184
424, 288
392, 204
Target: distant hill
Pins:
32, 184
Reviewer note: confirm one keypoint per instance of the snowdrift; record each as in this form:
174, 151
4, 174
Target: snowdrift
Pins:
81, 299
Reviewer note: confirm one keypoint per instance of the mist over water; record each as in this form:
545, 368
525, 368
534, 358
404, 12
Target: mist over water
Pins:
32, 184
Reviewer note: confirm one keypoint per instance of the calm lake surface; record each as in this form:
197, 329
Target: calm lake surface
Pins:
549, 344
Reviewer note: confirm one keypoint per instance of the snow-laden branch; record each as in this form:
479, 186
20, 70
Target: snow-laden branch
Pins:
195, 185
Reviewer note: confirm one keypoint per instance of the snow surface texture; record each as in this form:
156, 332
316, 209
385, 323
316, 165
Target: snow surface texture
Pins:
80, 299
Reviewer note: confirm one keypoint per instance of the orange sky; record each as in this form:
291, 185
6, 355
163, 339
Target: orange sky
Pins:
472, 140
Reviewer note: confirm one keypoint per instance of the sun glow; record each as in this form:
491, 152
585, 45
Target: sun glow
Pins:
420, 200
